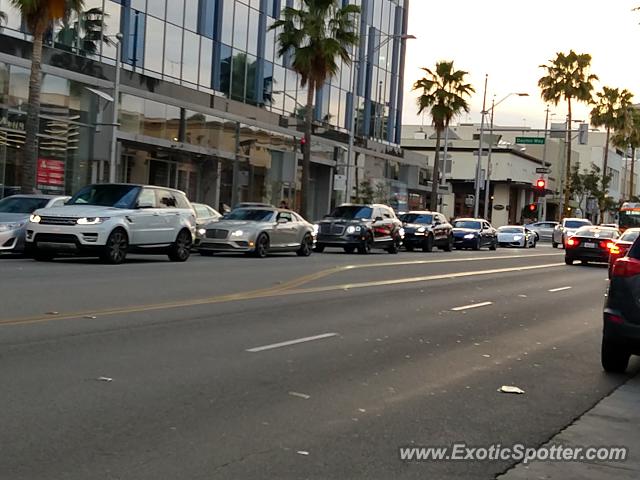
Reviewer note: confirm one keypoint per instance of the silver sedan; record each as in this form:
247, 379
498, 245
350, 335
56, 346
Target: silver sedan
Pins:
257, 231
14, 216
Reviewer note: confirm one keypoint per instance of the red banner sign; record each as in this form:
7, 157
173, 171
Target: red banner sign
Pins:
50, 174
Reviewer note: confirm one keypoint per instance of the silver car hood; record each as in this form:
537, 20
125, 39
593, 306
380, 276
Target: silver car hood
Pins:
509, 237
83, 211
231, 224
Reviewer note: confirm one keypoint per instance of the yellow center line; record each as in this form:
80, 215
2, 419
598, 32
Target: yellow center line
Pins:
286, 288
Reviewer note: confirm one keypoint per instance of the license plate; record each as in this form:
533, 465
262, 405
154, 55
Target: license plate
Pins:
589, 245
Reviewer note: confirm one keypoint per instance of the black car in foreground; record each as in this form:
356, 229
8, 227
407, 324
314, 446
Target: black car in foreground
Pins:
426, 230
474, 233
590, 244
360, 227
621, 332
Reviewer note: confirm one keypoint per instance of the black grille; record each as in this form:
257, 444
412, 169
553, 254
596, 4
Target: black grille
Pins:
218, 246
58, 220
55, 238
331, 229
217, 234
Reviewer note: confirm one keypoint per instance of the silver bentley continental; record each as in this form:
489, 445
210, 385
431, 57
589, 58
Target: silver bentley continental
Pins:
257, 231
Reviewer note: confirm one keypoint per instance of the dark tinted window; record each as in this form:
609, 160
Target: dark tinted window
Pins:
417, 218
118, 196
22, 204
576, 223
166, 199
251, 215
593, 232
468, 224
350, 213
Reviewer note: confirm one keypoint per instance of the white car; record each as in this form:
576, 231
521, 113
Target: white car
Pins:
517, 236
110, 220
567, 228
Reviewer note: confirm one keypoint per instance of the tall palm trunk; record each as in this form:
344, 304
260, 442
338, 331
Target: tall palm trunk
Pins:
306, 157
436, 169
633, 164
567, 184
605, 162
32, 126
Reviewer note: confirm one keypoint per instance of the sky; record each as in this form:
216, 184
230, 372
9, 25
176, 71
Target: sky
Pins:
508, 40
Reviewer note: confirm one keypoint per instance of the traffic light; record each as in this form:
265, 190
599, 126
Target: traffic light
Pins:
533, 207
303, 142
541, 184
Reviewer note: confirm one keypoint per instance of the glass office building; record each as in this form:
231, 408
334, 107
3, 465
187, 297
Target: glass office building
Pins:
205, 103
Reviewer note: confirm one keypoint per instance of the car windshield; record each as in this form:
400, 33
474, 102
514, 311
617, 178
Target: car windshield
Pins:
118, 196
22, 204
417, 218
467, 224
594, 232
352, 213
576, 223
250, 214
510, 230
629, 236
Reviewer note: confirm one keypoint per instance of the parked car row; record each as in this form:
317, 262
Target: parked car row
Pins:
111, 220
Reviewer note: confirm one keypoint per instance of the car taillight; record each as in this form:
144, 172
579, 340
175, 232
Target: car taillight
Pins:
610, 317
614, 249
572, 242
626, 267
607, 245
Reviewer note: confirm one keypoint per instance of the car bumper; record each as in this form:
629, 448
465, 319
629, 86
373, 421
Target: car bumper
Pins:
465, 242
626, 334
595, 255
519, 243
414, 238
12, 241
66, 238
339, 241
224, 245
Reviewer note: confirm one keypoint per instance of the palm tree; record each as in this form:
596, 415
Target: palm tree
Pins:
85, 34
610, 112
315, 36
444, 93
629, 137
38, 16
567, 78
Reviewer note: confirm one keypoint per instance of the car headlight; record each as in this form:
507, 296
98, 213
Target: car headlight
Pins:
353, 229
421, 230
7, 227
316, 229
34, 218
470, 236
202, 231
91, 220
401, 232
237, 233
517, 238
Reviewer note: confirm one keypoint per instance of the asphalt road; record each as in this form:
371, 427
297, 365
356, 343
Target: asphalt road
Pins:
393, 350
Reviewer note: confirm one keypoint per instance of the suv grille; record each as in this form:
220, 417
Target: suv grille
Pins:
58, 220
217, 234
331, 229
55, 238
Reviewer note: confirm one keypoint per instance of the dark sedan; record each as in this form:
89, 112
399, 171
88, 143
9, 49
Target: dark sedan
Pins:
474, 233
621, 332
590, 244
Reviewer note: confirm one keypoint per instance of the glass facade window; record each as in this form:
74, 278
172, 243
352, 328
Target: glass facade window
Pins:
153, 59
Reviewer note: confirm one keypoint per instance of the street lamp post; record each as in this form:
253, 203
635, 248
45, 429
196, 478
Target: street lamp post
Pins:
116, 100
476, 198
354, 94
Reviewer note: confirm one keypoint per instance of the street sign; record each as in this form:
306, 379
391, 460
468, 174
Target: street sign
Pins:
530, 140
543, 170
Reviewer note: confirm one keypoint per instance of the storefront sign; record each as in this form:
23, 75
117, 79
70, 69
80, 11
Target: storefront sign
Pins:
50, 175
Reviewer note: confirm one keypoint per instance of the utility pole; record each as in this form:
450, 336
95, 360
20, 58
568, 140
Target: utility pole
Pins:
476, 202
487, 186
542, 201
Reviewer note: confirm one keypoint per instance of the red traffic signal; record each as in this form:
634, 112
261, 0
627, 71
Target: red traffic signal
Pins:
533, 207
541, 184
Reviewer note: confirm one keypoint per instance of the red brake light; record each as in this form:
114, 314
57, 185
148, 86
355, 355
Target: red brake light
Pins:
613, 318
607, 245
614, 249
572, 242
626, 267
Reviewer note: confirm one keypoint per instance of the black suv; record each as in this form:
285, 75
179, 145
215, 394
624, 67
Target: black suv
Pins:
360, 227
621, 333
426, 230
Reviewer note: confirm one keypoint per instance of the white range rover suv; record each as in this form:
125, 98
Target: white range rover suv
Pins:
110, 220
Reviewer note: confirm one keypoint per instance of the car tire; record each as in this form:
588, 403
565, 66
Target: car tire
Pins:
554, 244
116, 248
477, 245
427, 245
206, 253
319, 248
584, 262
493, 246
365, 246
306, 247
568, 261
449, 245
535, 244
180, 250
395, 246
613, 358
262, 246
350, 249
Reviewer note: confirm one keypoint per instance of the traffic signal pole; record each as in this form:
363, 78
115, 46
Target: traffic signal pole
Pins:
542, 200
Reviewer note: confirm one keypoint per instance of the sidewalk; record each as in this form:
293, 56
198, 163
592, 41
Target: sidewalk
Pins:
615, 421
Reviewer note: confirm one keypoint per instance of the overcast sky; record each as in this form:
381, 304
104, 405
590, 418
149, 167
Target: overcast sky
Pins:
509, 39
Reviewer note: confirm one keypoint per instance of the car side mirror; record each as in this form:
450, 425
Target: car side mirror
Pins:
378, 219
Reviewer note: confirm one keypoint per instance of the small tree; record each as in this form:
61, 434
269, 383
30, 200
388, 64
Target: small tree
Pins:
629, 138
